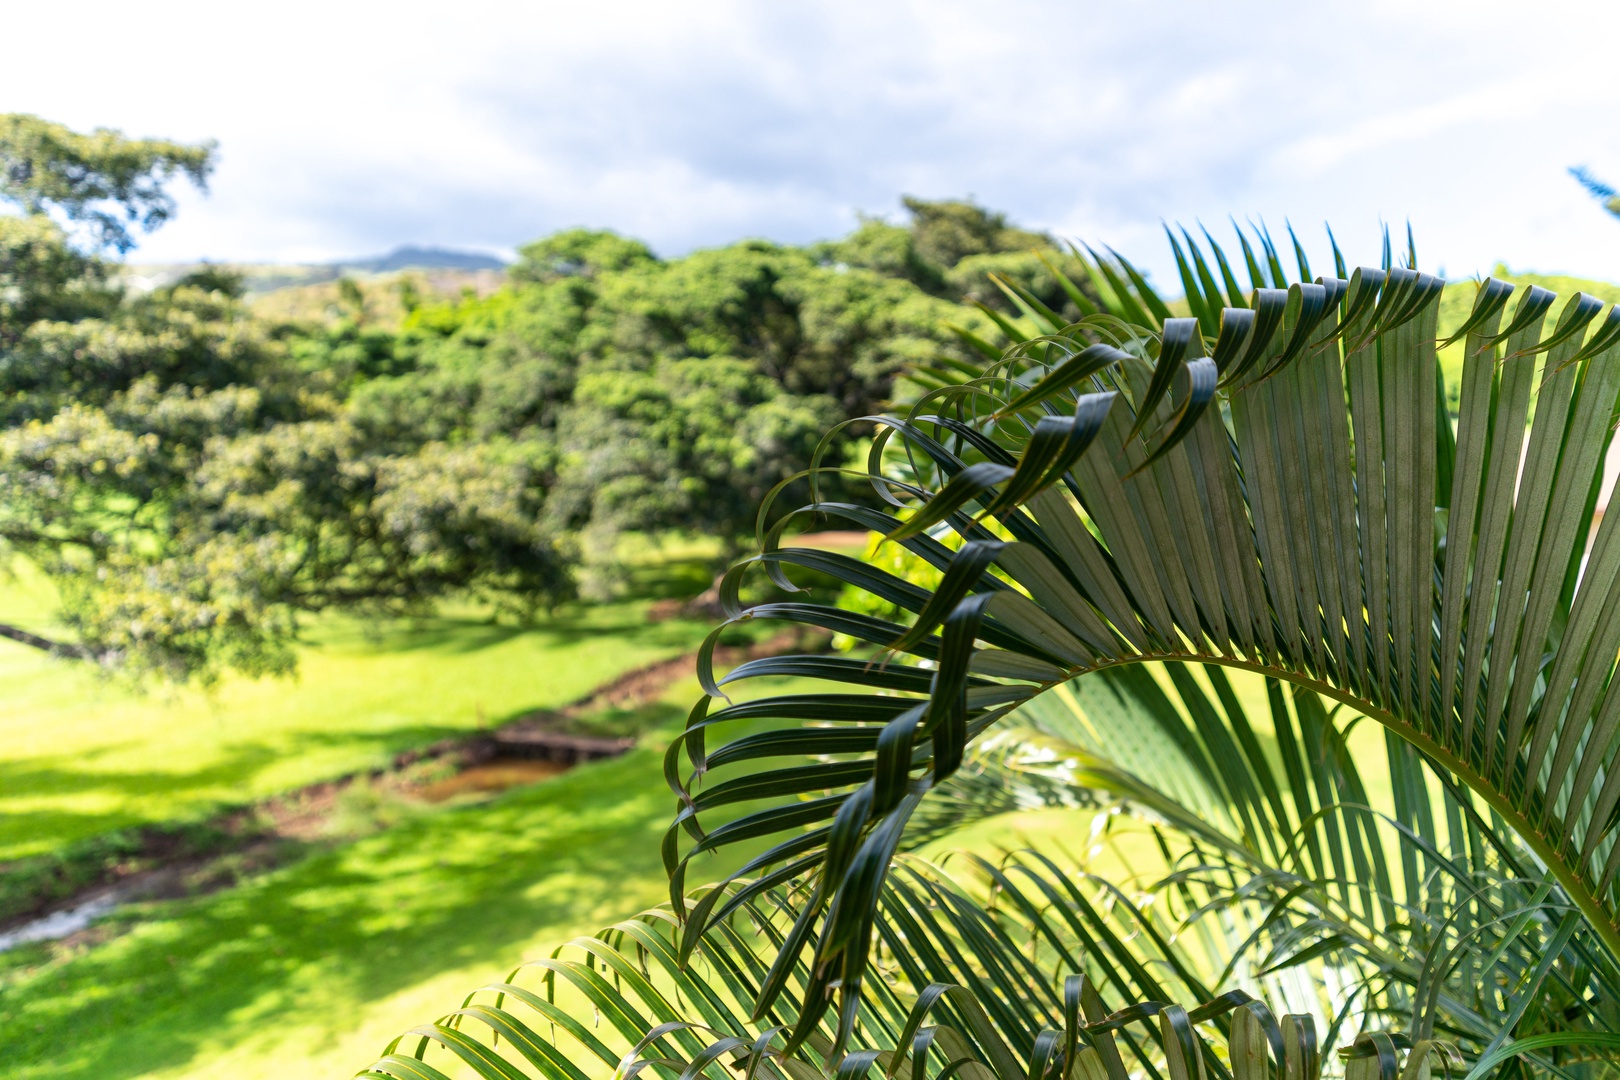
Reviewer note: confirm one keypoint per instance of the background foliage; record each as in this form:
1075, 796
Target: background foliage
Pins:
196, 480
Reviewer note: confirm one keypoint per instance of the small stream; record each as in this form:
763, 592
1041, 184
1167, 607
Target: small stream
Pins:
59, 924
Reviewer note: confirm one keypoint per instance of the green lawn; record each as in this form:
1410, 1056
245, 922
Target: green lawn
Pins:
308, 971
81, 756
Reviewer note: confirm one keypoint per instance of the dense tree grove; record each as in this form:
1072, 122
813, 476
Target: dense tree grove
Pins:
195, 479
674, 394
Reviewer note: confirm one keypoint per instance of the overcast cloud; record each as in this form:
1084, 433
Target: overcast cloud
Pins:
350, 128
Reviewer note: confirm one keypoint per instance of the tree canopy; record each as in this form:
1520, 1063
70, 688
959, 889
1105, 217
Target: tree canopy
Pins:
102, 180
197, 480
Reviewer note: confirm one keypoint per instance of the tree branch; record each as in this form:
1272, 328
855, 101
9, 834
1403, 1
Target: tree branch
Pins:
55, 648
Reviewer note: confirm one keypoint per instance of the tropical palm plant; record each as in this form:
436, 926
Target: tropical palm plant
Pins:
1116, 513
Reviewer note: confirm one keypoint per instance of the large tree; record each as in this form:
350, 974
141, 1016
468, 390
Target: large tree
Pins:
668, 394
100, 181
196, 480
675, 393
190, 485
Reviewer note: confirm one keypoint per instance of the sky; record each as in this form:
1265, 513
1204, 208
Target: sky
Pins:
349, 128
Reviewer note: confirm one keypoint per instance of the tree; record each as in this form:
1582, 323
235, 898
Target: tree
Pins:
577, 253
193, 492
192, 479
1271, 485
672, 394
948, 232
197, 481
951, 249
101, 180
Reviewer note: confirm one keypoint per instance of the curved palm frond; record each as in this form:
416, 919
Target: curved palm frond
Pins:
1432, 910
1272, 484
1006, 966
964, 985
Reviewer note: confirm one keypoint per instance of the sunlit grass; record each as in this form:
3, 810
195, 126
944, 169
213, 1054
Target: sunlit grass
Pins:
310, 970
324, 961
80, 755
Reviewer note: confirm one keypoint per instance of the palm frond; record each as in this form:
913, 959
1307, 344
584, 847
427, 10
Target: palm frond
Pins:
963, 985
1315, 520
1403, 901
1027, 966
1600, 191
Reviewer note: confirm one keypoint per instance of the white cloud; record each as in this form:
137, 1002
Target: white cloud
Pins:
351, 127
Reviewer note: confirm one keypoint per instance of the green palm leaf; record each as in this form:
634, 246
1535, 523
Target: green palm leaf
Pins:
962, 983
1430, 922
1316, 524
963, 970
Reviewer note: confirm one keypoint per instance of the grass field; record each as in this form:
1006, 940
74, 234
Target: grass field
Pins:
80, 755
310, 970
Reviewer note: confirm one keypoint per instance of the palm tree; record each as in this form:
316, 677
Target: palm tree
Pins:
1109, 525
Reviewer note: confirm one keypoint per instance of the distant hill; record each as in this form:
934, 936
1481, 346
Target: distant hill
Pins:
322, 301
410, 257
262, 278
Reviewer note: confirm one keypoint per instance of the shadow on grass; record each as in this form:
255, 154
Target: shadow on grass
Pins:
107, 798
676, 579
195, 785
313, 944
469, 634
